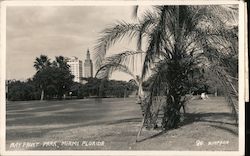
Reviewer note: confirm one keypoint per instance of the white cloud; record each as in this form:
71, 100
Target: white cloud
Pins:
54, 31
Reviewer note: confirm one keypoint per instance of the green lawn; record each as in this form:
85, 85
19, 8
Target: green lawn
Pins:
112, 124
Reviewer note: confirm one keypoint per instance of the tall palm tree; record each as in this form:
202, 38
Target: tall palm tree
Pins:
178, 40
61, 62
40, 64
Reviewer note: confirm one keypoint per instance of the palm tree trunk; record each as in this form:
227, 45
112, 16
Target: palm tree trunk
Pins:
42, 95
140, 91
139, 132
171, 116
141, 97
216, 92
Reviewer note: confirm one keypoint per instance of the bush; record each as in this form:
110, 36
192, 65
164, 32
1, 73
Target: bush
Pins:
22, 91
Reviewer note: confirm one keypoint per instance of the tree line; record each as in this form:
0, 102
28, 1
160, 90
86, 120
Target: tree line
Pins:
103, 88
53, 80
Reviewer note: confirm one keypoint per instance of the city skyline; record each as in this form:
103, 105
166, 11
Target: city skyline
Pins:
57, 31
80, 70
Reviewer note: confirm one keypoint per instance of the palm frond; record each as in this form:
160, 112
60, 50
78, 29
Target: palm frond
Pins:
106, 70
122, 62
157, 40
229, 89
111, 35
146, 24
135, 11
227, 13
41, 62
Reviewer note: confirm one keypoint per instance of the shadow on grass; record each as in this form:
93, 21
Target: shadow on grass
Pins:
39, 133
216, 120
151, 137
225, 129
211, 118
63, 114
84, 113
219, 118
124, 121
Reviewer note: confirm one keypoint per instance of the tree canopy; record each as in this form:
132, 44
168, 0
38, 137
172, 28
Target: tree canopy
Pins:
54, 79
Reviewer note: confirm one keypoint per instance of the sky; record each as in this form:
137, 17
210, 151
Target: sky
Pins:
58, 30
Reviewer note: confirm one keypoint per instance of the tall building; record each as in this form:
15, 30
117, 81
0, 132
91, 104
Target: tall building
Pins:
88, 66
75, 68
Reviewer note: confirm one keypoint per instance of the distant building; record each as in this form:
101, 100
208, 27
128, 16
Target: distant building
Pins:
75, 68
88, 66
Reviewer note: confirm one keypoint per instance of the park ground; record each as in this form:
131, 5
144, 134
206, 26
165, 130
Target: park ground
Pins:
112, 124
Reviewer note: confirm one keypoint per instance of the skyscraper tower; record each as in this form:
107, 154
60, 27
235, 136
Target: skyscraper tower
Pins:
88, 66
75, 66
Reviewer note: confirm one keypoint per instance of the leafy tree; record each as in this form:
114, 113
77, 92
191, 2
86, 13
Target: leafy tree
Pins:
57, 85
62, 75
75, 90
55, 79
22, 90
106, 88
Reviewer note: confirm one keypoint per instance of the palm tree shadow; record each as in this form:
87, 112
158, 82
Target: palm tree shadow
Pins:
128, 120
209, 118
213, 120
153, 136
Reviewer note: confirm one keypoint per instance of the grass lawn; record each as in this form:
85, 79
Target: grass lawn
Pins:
112, 124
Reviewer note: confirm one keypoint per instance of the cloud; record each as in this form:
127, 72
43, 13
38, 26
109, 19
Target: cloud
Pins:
53, 31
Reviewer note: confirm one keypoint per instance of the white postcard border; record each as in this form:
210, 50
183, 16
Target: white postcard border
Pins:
242, 52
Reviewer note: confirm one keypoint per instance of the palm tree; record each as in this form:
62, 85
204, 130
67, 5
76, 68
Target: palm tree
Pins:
178, 40
40, 64
61, 63
64, 82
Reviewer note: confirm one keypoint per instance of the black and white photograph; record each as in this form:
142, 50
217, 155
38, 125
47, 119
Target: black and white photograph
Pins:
122, 78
